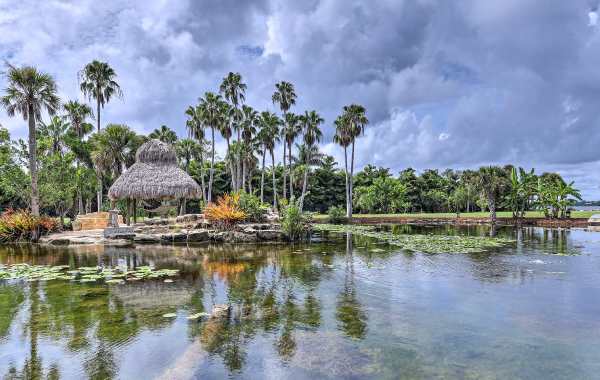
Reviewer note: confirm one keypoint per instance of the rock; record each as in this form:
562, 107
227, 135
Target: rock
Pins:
146, 238
197, 236
270, 235
220, 311
272, 216
253, 227
119, 233
116, 242
233, 237
85, 240
187, 218
76, 225
156, 222
58, 241
175, 237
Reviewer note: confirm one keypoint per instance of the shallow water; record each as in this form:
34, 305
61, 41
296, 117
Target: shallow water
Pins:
339, 307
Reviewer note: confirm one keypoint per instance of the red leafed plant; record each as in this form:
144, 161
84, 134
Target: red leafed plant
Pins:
21, 225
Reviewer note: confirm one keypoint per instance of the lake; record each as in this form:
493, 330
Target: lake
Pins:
341, 306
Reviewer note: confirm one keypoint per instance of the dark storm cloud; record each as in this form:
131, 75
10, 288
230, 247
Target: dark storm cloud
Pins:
446, 83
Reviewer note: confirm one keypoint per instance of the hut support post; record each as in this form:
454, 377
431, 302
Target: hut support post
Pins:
134, 210
128, 213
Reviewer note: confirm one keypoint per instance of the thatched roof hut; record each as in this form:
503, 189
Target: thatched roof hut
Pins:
155, 175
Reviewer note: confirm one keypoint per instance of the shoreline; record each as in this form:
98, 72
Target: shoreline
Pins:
466, 221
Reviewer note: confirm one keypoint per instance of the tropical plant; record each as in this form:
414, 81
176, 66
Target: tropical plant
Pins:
164, 134
23, 225
523, 188
210, 111
254, 209
290, 131
98, 81
342, 137
295, 223
29, 92
385, 195
54, 134
226, 213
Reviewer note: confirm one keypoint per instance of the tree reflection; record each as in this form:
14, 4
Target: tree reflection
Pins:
349, 312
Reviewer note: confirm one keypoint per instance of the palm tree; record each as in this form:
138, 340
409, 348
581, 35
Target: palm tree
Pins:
312, 135
98, 82
77, 114
55, 131
290, 132
248, 128
210, 112
342, 138
196, 130
268, 136
285, 96
492, 181
164, 134
355, 122
29, 92
113, 150
187, 150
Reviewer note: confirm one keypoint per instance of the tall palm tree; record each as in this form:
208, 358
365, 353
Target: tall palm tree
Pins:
342, 138
210, 111
195, 129
291, 130
55, 131
29, 92
310, 122
356, 121
225, 128
98, 82
285, 96
234, 90
164, 134
187, 150
268, 136
77, 114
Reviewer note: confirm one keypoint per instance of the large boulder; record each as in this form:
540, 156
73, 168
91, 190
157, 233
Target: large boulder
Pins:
146, 239
126, 233
189, 218
233, 237
270, 235
196, 236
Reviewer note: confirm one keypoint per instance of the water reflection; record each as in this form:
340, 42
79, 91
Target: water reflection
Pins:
346, 306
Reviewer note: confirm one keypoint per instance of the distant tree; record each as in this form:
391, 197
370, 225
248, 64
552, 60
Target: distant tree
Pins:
492, 182
29, 92
268, 136
55, 133
285, 97
310, 123
210, 111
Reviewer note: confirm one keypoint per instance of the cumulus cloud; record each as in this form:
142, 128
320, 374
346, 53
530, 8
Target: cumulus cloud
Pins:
452, 84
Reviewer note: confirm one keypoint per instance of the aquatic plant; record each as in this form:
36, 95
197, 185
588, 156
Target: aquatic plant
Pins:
22, 225
226, 212
422, 243
117, 275
295, 223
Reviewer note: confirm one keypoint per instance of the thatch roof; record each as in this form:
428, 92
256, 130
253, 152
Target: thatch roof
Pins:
155, 175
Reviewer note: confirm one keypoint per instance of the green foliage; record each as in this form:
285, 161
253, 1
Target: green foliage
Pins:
295, 223
251, 206
336, 215
384, 195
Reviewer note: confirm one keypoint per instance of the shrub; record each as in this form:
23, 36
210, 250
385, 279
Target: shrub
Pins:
295, 223
21, 225
250, 204
226, 213
337, 215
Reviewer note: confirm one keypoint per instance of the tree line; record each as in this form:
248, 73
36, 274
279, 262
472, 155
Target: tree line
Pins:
68, 160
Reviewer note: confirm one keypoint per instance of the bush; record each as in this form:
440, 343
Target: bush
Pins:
250, 204
295, 223
21, 225
337, 215
226, 213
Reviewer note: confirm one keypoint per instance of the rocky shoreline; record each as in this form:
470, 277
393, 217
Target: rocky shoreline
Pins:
184, 229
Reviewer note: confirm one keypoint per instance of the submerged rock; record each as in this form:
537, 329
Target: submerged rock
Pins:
220, 311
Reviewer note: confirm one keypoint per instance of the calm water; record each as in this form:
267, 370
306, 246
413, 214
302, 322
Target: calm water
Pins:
340, 307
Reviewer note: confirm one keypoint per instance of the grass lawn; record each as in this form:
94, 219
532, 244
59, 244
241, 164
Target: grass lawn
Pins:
501, 214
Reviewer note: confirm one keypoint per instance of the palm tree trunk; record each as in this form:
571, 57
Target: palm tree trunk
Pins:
347, 183
243, 187
231, 167
274, 180
262, 176
284, 171
492, 207
212, 165
291, 173
304, 182
98, 113
351, 179
35, 200
202, 176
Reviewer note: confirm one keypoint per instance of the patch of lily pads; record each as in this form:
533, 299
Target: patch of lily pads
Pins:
420, 242
116, 275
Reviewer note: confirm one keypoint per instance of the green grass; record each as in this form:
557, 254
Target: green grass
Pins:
500, 214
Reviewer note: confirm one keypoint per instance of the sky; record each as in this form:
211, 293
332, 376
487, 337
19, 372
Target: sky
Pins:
457, 84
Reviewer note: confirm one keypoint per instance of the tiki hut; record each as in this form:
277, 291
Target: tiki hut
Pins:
155, 175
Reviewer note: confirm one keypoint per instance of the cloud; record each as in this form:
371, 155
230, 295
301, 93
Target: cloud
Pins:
451, 84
